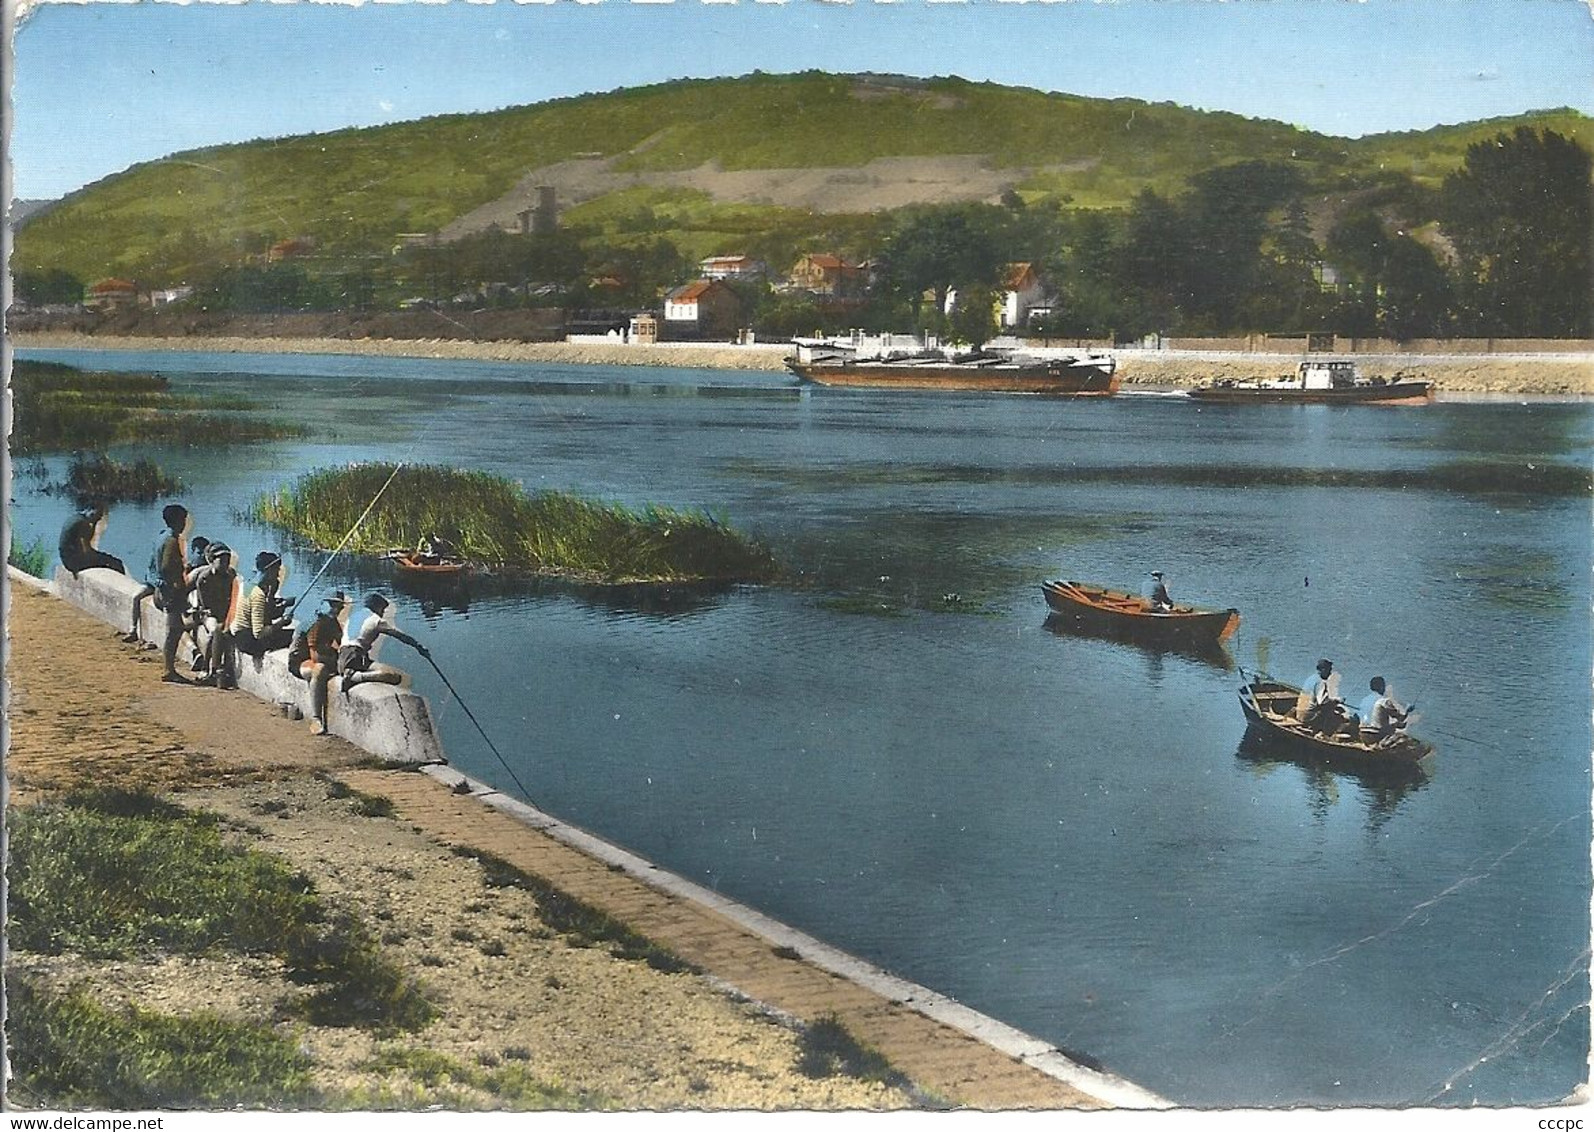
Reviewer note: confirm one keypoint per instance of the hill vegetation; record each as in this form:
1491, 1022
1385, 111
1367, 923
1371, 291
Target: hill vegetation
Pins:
354, 190
652, 179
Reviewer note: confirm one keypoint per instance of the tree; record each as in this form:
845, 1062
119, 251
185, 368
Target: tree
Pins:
973, 319
1156, 253
54, 286
1415, 298
1226, 215
942, 249
1402, 291
1519, 214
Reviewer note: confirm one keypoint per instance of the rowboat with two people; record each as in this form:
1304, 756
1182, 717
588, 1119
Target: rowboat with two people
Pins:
1274, 710
1137, 618
433, 557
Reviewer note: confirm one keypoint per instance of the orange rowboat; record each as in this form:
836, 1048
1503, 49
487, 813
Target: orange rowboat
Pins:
1134, 616
412, 563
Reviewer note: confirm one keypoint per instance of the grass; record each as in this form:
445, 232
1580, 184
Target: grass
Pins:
492, 520
422, 1078
828, 1048
62, 408
580, 923
69, 1051
113, 875
98, 477
363, 804
32, 559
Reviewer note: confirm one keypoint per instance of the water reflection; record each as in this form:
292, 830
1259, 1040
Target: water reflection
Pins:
1383, 787
1214, 653
436, 595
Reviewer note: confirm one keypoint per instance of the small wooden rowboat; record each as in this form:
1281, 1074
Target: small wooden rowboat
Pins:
428, 567
1269, 707
1126, 613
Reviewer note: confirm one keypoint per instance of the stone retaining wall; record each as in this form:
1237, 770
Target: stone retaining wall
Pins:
389, 721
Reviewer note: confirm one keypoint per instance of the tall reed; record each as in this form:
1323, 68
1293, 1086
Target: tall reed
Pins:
490, 519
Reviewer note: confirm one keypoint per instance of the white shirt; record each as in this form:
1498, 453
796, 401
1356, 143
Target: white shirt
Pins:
1378, 712
370, 634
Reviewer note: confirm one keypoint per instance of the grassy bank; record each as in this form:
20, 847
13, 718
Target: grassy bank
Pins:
107, 884
115, 876
491, 520
61, 408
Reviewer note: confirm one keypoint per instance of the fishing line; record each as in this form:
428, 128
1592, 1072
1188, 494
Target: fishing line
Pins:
485, 738
311, 584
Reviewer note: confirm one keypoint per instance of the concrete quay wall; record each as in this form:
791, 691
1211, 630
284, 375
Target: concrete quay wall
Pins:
386, 720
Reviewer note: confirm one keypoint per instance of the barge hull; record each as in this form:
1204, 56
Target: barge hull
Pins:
1079, 383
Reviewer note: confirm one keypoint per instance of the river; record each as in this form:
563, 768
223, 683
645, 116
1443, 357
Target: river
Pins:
895, 751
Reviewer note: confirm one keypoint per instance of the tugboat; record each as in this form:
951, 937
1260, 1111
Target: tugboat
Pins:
864, 362
1320, 382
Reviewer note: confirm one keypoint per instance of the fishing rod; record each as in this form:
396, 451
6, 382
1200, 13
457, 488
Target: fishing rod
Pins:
460, 700
311, 584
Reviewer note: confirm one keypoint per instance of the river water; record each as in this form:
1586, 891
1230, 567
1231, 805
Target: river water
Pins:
894, 750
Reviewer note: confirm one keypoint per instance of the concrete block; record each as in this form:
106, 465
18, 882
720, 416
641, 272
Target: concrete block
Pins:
109, 596
389, 721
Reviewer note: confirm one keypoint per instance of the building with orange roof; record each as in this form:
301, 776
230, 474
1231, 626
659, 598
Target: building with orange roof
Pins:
706, 308
820, 273
110, 294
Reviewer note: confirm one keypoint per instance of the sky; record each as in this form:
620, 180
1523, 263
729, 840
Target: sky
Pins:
97, 87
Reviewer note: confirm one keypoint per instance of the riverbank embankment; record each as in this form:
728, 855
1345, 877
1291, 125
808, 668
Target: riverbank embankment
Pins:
405, 849
1569, 374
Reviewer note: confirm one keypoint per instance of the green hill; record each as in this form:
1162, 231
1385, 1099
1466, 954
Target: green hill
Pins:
353, 191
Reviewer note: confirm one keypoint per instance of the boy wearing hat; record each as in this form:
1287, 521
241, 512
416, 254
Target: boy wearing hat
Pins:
216, 586
262, 623
324, 637
1321, 708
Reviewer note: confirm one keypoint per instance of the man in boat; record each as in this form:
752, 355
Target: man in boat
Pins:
1381, 717
1321, 709
357, 661
1160, 601
433, 550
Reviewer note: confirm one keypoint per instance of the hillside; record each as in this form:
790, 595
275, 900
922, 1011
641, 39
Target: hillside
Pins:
708, 160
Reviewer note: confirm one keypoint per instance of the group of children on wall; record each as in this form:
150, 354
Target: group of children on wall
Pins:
196, 583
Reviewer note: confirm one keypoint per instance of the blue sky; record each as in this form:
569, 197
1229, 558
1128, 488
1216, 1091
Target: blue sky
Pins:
98, 87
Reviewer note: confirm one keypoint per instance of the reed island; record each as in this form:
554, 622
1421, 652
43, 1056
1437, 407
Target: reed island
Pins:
491, 521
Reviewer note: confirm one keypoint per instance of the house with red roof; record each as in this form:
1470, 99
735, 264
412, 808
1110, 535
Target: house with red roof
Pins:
706, 308
820, 273
111, 294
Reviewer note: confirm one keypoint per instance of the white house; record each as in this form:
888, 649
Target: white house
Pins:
169, 296
732, 267
1022, 294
